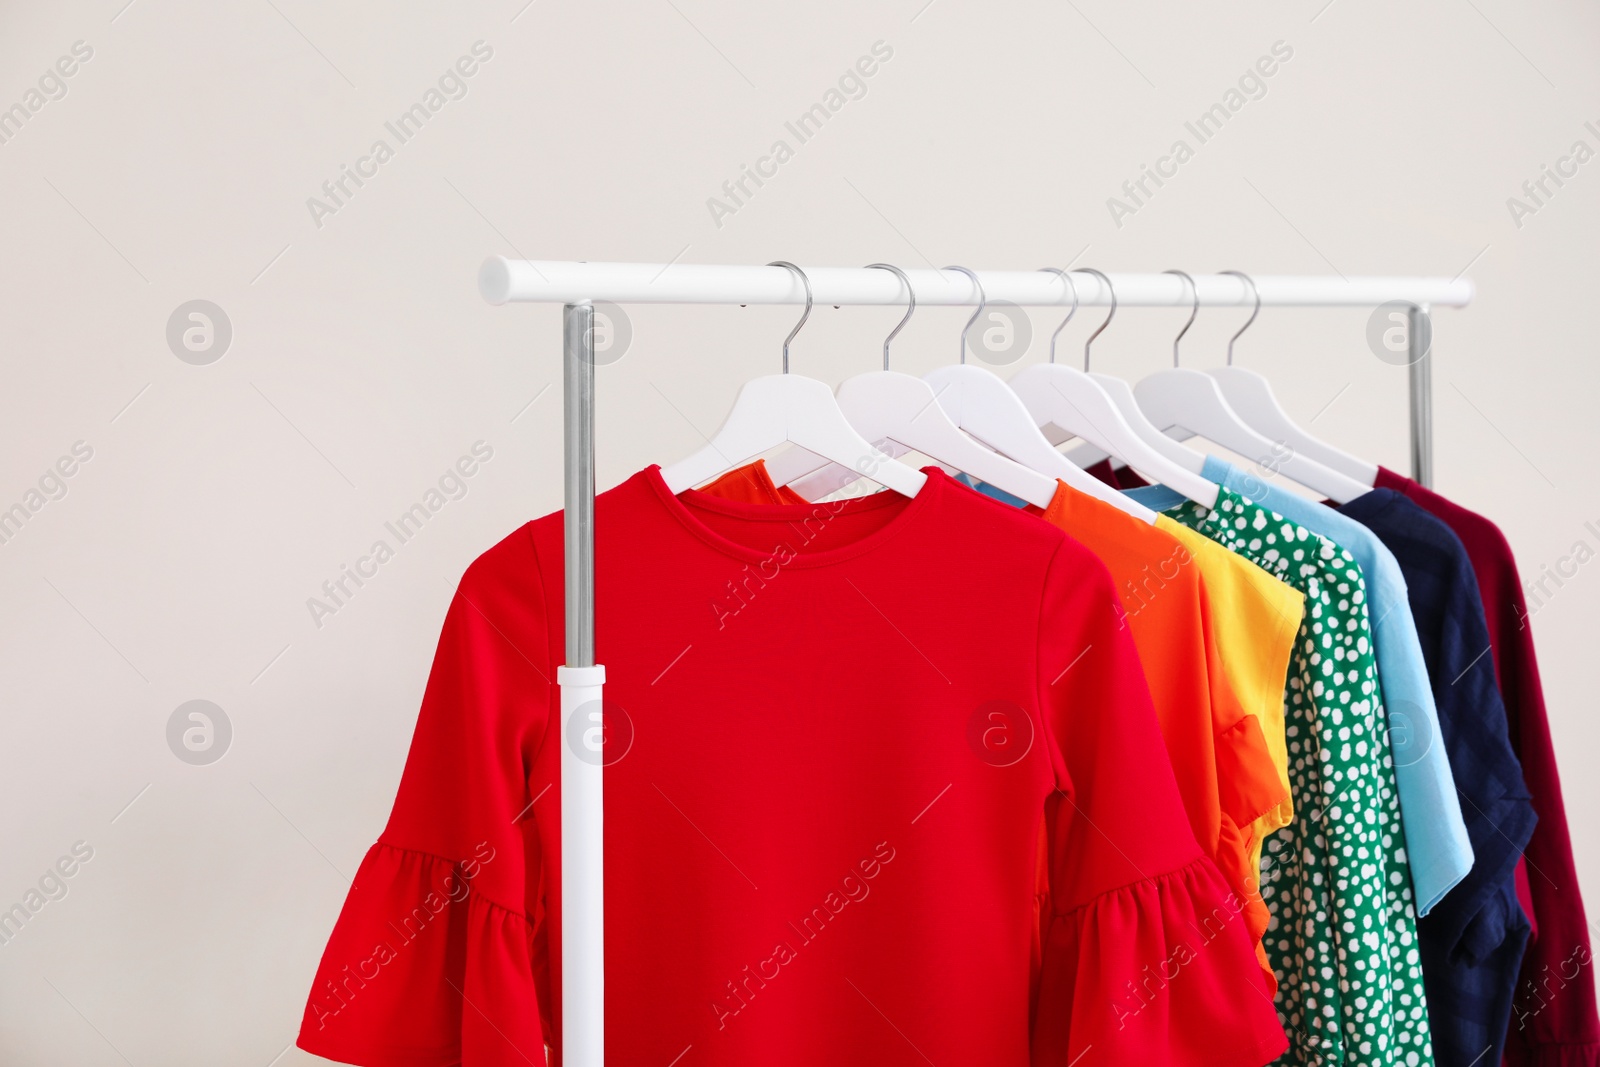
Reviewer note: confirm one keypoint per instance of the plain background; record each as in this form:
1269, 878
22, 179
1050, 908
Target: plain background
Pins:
363, 363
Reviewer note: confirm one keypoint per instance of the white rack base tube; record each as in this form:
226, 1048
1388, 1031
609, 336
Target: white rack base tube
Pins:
583, 985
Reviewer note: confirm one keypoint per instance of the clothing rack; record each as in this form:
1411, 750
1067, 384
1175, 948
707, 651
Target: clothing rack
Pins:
577, 285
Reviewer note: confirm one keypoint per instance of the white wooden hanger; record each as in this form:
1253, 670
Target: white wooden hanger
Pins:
787, 407
1250, 394
1067, 402
894, 408
979, 402
1189, 400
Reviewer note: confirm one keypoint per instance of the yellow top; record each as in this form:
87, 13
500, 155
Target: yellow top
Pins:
1254, 618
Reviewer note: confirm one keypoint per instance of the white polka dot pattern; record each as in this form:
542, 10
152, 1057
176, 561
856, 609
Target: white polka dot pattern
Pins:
1343, 934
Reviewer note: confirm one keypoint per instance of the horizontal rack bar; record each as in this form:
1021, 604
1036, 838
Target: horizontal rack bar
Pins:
503, 280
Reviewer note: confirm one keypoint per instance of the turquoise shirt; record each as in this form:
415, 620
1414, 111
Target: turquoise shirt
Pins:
1430, 810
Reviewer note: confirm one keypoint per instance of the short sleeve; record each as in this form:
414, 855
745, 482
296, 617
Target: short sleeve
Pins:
1253, 621
1247, 778
1133, 902
1248, 791
437, 956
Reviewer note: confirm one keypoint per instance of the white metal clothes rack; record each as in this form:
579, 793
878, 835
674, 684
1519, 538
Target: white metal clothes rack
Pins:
577, 285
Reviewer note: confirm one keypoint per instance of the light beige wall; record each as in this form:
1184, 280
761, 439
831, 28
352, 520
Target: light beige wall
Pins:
218, 498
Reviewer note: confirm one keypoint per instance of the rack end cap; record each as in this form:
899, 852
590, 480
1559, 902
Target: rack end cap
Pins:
494, 279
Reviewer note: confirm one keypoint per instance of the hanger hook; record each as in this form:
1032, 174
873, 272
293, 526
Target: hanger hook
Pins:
1251, 282
807, 283
983, 302
1072, 287
1109, 315
1193, 311
910, 307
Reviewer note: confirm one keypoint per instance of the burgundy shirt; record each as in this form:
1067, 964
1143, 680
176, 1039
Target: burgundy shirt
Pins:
1554, 1021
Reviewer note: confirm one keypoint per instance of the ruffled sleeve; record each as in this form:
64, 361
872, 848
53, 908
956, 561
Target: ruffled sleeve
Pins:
423, 970
1156, 972
438, 956
1146, 957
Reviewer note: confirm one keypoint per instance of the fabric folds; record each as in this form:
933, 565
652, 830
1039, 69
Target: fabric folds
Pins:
1152, 976
1555, 1019
1255, 617
1439, 850
1246, 779
419, 963
1339, 886
1226, 775
1249, 790
924, 917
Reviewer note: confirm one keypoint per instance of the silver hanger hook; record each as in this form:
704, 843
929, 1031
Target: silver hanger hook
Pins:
910, 307
807, 283
1072, 287
1193, 311
1109, 315
1251, 282
983, 302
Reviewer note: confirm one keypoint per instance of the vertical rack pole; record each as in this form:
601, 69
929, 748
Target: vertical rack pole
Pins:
1419, 341
581, 681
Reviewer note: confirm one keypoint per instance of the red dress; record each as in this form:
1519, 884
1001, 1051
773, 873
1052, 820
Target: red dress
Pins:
835, 733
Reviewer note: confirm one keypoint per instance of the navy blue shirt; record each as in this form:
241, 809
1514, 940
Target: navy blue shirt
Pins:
1472, 941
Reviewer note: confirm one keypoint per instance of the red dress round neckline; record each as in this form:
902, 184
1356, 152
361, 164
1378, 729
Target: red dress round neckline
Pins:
827, 787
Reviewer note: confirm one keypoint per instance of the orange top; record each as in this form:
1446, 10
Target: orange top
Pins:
1224, 768
751, 484
1218, 751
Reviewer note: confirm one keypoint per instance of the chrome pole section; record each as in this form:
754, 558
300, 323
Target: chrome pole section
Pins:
578, 414
582, 682
1419, 338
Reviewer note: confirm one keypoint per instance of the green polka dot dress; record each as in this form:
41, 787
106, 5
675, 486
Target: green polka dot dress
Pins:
1343, 934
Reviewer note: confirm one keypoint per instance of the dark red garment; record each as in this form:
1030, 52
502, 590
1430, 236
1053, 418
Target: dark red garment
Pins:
1116, 477
884, 786
1554, 1021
